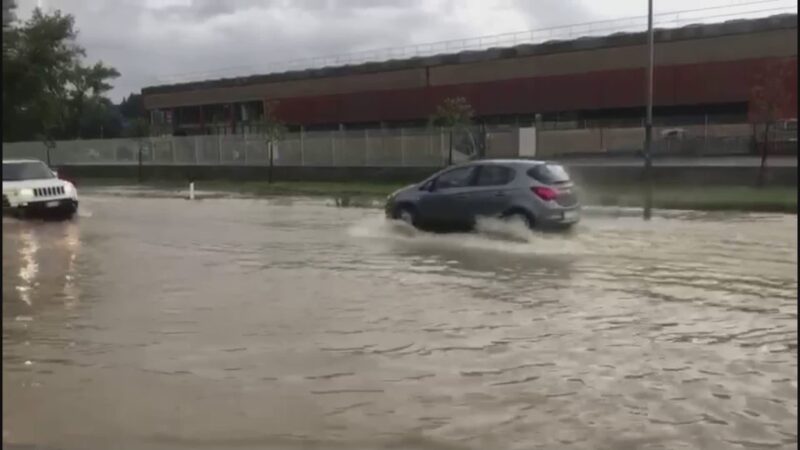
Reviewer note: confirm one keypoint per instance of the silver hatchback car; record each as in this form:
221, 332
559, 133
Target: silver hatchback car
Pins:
539, 193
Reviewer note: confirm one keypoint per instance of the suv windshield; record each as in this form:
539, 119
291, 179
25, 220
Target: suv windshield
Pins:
549, 174
26, 171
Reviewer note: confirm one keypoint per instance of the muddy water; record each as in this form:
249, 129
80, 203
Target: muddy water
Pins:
163, 323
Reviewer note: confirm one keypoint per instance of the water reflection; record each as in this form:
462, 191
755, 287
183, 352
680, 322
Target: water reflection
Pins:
29, 267
43, 258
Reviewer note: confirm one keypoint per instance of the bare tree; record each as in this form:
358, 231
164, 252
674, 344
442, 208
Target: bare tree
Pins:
454, 114
768, 104
140, 132
273, 131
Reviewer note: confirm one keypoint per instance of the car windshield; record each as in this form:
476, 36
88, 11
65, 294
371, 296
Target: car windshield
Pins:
26, 171
549, 174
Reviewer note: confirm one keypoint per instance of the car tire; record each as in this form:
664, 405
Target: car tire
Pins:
70, 213
406, 214
520, 216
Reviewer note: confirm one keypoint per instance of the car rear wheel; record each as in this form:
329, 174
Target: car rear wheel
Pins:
520, 217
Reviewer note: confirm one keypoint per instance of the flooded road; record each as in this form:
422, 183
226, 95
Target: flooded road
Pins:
289, 324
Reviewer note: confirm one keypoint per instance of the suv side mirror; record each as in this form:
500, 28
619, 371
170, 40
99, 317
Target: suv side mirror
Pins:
55, 173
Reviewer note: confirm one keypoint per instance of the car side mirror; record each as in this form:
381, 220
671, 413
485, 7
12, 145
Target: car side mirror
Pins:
55, 173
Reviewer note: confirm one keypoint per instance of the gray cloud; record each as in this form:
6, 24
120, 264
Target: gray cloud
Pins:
149, 40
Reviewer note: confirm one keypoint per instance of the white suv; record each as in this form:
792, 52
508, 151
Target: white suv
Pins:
32, 188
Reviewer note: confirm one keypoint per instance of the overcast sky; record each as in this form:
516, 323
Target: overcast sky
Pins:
155, 41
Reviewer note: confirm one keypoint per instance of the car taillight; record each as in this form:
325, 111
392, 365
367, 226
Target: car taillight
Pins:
545, 193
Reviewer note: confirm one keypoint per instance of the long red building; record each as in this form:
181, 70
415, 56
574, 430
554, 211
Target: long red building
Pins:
700, 70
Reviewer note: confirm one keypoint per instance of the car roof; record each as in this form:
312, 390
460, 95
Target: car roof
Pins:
20, 161
513, 162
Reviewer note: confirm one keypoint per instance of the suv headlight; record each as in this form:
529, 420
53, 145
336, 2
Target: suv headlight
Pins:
26, 192
69, 188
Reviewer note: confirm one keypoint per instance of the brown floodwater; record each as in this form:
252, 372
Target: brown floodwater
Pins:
157, 323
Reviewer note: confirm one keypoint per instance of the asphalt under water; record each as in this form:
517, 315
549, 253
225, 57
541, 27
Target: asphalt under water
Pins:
231, 323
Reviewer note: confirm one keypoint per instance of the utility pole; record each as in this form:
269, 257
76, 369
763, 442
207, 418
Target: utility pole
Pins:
648, 125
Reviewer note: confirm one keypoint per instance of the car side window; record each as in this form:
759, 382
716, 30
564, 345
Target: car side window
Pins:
455, 178
493, 175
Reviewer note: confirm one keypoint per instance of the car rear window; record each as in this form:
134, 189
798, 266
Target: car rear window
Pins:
549, 174
492, 175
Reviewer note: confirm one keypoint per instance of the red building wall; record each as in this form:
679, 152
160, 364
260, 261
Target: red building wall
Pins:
688, 84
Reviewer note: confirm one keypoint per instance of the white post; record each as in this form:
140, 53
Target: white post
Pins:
191, 190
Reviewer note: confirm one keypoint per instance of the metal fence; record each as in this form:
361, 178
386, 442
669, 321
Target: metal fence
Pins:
381, 148
406, 147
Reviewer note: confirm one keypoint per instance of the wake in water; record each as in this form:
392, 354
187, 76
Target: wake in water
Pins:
490, 234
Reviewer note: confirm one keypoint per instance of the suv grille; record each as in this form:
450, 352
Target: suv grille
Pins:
48, 191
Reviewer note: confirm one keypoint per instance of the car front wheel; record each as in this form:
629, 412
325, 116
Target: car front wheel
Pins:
406, 214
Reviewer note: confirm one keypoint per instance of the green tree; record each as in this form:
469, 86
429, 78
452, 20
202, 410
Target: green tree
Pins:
132, 107
8, 13
100, 119
46, 86
454, 114
85, 89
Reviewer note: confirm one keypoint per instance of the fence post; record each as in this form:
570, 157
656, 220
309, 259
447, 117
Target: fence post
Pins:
431, 137
443, 159
366, 147
196, 152
244, 142
602, 146
333, 147
173, 148
219, 148
402, 149
302, 138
